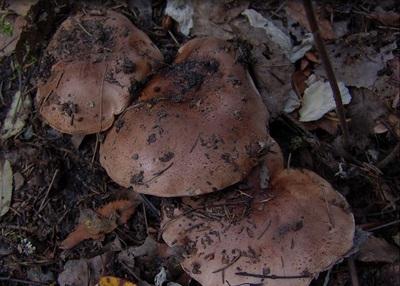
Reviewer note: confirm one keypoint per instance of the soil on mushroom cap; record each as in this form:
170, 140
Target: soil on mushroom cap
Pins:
188, 77
86, 38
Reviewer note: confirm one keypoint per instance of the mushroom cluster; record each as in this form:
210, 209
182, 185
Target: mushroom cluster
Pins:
199, 130
200, 126
94, 59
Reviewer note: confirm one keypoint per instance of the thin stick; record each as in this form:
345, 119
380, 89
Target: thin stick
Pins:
384, 225
353, 272
328, 69
272, 276
28, 282
390, 157
48, 191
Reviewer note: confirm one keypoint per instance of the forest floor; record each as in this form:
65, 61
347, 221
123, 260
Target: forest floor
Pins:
56, 176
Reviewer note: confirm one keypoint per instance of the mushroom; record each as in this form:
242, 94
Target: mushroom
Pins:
200, 126
95, 59
284, 235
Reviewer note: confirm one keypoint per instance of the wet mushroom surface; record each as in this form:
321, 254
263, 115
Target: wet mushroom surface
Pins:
92, 63
200, 126
284, 234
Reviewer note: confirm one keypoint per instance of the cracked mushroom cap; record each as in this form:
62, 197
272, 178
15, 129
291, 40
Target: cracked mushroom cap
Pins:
91, 63
289, 233
200, 126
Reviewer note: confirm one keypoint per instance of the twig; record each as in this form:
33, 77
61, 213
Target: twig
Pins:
327, 277
273, 276
28, 282
390, 157
83, 28
145, 218
48, 191
174, 39
152, 208
229, 264
384, 225
328, 69
353, 272
265, 229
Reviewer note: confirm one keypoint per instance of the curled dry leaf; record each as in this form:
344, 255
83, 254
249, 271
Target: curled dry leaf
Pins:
10, 32
297, 228
295, 10
16, 116
95, 225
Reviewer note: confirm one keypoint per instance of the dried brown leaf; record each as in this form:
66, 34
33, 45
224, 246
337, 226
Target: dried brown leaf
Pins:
95, 225
387, 18
378, 250
295, 10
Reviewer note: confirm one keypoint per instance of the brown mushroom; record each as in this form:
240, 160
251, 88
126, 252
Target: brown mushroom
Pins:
95, 60
284, 235
200, 126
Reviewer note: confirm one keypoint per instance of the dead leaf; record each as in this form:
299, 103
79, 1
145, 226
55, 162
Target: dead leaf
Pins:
387, 18
20, 7
76, 273
77, 139
378, 250
95, 225
299, 82
396, 238
16, 116
326, 124
19, 181
292, 103
162, 279
318, 99
6, 184
295, 10
114, 281
272, 32
10, 33
354, 66
181, 12
389, 274
85, 271
207, 17
394, 66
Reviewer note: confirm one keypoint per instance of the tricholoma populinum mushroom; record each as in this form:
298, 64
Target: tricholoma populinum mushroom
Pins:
94, 58
282, 236
200, 126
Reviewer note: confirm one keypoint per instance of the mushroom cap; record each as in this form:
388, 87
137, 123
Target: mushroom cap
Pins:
300, 226
97, 59
200, 126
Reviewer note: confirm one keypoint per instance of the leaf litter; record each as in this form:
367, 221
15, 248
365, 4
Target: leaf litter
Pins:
360, 43
6, 187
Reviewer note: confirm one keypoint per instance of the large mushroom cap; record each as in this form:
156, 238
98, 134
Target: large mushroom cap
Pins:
96, 60
297, 228
201, 126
